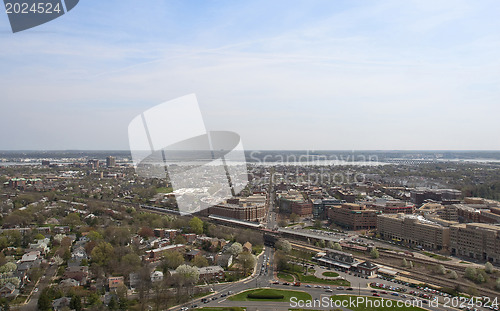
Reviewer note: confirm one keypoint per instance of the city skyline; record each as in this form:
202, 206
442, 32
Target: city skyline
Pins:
321, 76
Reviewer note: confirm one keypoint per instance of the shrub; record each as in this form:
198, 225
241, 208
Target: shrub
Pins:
265, 296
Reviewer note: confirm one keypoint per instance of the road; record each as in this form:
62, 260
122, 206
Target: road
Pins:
32, 303
262, 277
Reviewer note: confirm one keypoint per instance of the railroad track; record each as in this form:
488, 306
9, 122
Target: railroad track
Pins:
419, 276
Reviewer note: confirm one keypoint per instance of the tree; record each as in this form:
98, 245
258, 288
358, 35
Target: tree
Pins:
196, 225
470, 273
131, 261
39, 236
45, 300
235, 249
146, 232
75, 303
282, 223
322, 243
294, 218
102, 254
453, 275
284, 245
172, 260
8, 267
337, 246
441, 270
488, 267
199, 261
374, 253
481, 277
411, 264
405, 263
497, 284
189, 274
330, 244
94, 236
247, 262
113, 304
281, 260
72, 219
179, 239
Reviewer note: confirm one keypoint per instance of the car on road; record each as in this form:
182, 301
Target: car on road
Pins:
317, 286
329, 290
340, 288
395, 294
383, 292
194, 306
286, 283
376, 294
350, 288
184, 308
308, 286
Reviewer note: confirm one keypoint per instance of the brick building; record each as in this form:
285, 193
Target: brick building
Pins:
354, 216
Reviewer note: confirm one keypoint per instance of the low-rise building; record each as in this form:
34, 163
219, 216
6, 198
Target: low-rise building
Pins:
157, 253
211, 273
115, 282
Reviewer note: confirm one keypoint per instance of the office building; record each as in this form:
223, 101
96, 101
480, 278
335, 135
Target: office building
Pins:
110, 161
414, 230
476, 240
353, 216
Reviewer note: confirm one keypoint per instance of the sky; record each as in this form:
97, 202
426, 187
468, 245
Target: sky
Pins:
315, 75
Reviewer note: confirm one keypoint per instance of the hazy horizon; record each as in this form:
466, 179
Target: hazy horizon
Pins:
321, 75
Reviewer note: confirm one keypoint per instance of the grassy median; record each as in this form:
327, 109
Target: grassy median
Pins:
268, 294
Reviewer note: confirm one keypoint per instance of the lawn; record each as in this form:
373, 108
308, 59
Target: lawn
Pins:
285, 276
299, 276
164, 190
313, 279
438, 257
367, 307
330, 274
287, 294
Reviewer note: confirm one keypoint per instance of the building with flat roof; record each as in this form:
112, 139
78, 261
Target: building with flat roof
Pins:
293, 202
247, 212
353, 216
413, 230
446, 196
110, 161
476, 240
